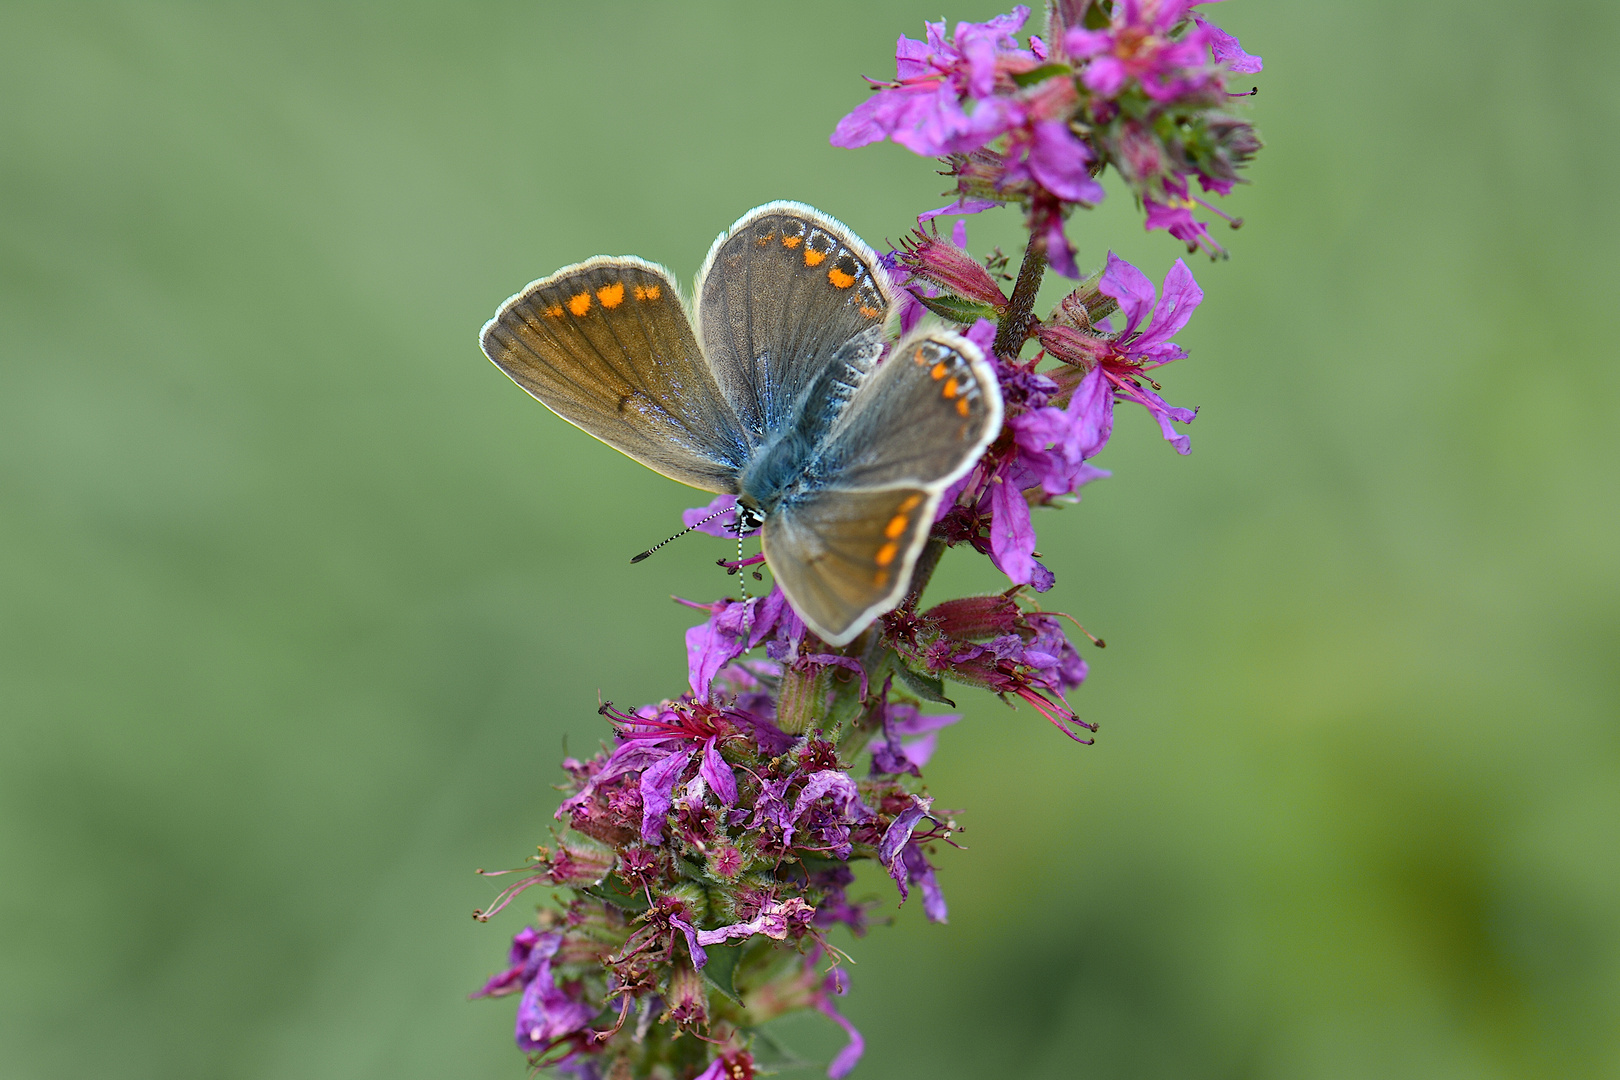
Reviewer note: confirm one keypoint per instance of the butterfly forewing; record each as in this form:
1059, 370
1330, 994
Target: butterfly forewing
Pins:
782, 294
607, 346
843, 557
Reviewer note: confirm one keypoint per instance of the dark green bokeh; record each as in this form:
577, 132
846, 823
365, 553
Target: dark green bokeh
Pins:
300, 597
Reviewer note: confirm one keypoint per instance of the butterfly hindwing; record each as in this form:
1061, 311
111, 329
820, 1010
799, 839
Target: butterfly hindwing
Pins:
606, 345
785, 293
922, 417
843, 557
843, 546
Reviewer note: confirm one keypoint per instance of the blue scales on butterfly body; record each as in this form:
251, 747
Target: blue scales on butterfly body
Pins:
775, 388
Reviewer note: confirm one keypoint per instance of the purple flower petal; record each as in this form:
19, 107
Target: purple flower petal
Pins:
658, 794
699, 957
922, 875
715, 1071
1012, 535
983, 334
898, 835
846, 796
724, 525
1226, 50
1080, 43
1091, 414
1059, 255
775, 921
1131, 288
1105, 75
847, 1058
1180, 299
545, 1013
718, 775
627, 757
960, 206
1062, 163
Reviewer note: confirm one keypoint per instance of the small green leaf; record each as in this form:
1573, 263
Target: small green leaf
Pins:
771, 1053
957, 309
721, 969
926, 687
611, 890
1040, 74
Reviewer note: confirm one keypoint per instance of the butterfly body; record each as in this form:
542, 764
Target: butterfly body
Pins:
776, 390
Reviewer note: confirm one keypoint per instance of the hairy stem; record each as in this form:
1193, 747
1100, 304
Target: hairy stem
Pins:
1014, 328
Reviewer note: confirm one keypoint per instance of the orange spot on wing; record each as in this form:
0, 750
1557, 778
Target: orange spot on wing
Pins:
791, 241
962, 406
869, 312
938, 370
611, 295
885, 554
812, 257
920, 356
881, 578
950, 388
839, 279
648, 292
580, 304
910, 504
553, 312
766, 239
896, 526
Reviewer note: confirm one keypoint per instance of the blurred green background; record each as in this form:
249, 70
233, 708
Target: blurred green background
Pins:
300, 597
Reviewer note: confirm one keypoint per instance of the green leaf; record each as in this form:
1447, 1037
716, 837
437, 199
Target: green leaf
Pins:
958, 309
770, 1053
1040, 74
612, 890
926, 687
721, 969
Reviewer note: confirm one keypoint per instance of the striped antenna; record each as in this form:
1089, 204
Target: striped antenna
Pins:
682, 533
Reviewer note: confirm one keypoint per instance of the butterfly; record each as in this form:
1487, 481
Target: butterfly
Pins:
773, 385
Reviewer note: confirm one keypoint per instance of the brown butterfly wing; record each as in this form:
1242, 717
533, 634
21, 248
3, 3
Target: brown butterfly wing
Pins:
606, 345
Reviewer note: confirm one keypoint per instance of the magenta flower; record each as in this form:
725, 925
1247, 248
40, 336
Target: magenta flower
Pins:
922, 109
1125, 359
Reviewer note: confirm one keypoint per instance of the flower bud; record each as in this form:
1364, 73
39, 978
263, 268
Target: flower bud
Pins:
1077, 347
977, 618
1084, 308
578, 862
948, 266
803, 698
687, 1000
726, 862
